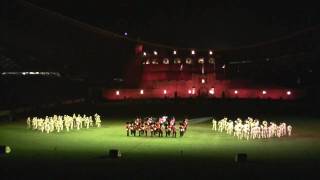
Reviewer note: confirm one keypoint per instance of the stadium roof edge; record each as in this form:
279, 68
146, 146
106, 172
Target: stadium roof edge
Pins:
156, 45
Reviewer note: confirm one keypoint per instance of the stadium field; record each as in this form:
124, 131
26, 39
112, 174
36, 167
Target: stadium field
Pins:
199, 148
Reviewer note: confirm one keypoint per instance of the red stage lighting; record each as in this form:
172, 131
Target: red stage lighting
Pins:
288, 93
117, 93
141, 91
264, 92
193, 90
211, 91
235, 91
165, 91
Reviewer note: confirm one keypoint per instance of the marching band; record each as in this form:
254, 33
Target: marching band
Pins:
156, 127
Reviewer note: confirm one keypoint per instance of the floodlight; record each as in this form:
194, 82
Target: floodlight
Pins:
211, 91
165, 91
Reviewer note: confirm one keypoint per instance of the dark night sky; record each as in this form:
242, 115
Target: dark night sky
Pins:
219, 24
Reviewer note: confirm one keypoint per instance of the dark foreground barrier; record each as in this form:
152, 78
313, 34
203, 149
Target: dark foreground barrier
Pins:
114, 153
241, 158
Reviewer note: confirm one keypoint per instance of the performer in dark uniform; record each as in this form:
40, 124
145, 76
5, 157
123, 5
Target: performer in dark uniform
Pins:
159, 130
128, 128
152, 127
182, 129
185, 122
143, 128
133, 129
174, 131
146, 127
168, 130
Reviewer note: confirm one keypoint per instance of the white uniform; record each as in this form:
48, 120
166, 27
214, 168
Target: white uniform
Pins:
214, 125
98, 120
289, 128
28, 122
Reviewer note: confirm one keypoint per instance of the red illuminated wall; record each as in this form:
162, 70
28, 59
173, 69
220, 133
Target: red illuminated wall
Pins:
276, 94
211, 88
185, 81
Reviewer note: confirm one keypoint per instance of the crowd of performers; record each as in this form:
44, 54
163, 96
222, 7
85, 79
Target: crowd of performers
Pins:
59, 123
251, 128
156, 127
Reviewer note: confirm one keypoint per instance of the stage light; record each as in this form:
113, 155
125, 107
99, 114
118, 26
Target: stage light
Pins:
211, 91
193, 52
288, 93
177, 61
210, 52
203, 81
141, 91
224, 66
5, 149
125, 33
165, 91
188, 61
235, 91
155, 53
193, 90
211, 61
174, 52
155, 61
117, 93
201, 61
144, 54
264, 92
189, 91
165, 61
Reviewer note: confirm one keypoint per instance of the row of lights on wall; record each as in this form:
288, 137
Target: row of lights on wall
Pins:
264, 92
178, 61
174, 52
193, 91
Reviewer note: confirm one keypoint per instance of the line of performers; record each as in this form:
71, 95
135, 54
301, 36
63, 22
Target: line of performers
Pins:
156, 127
58, 122
251, 128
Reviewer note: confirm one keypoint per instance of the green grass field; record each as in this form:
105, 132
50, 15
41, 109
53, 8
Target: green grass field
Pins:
200, 140
200, 145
